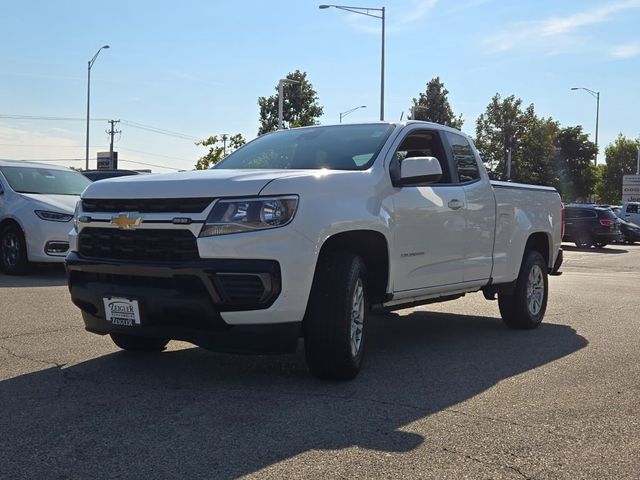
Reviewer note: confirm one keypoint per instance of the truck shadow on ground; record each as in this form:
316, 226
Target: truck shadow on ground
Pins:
607, 250
191, 413
39, 276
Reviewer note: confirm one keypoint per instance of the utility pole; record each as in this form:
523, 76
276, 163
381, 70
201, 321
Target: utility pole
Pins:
112, 131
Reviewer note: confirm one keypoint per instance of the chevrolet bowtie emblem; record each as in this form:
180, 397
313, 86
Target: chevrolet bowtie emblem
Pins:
126, 221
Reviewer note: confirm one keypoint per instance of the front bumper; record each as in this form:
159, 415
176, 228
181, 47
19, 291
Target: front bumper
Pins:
186, 301
47, 241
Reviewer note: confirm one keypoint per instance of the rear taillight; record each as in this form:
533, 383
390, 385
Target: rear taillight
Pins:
607, 223
563, 219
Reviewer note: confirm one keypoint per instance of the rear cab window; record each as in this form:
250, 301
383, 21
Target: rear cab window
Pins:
464, 160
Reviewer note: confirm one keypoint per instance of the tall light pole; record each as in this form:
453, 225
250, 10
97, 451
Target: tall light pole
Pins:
281, 84
595, 95
381, 16
89, 65
351, 110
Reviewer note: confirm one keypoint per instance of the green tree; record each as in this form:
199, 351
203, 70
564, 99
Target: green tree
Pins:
533, 157
578, 174
621, 158
505, 127
219, 147
300, 105
433, 106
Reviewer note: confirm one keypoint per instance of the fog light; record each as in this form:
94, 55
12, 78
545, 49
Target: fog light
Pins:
56, 248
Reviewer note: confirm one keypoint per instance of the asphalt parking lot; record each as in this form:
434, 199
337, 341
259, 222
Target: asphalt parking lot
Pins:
446, 392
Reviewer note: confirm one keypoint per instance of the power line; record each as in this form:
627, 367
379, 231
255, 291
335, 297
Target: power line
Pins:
41, 117
151, 165
161, 131
155, 154
45, 145
130, 123
82, 160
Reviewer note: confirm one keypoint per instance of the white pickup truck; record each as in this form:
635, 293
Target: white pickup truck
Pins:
301, 234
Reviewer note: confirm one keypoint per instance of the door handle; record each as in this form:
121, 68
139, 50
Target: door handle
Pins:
455, 204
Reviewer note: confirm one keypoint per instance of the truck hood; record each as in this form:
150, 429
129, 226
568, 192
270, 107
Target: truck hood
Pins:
195, 184
55, 203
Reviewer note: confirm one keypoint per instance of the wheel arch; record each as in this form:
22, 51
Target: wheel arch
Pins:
5, 222
542, 243
373, 247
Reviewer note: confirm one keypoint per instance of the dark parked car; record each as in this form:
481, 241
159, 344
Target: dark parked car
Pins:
589, 225
630, 231
95, 175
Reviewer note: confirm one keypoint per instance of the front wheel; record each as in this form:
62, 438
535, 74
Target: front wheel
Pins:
135, 343
601, 244
524, 308
13, 251
335, 322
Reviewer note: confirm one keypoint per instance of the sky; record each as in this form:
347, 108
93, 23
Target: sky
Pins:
197, 68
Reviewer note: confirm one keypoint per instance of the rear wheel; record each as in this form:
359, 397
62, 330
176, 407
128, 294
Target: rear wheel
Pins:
601, 244
335, 322
13, 251
583, 240
134, 343
524, 308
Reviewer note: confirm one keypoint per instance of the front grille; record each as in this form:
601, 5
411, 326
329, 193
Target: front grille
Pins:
147, 205
138, 245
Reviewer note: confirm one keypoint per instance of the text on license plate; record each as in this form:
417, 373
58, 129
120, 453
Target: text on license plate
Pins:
121, 311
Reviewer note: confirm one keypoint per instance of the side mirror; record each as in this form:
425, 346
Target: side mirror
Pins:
417, 170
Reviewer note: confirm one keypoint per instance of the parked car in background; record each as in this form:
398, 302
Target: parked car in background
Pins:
95, 175
617, 209
631, 212
37, 203
630, 231
590, 225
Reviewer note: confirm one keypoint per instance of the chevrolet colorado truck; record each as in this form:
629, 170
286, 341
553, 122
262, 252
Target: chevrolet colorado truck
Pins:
301, 234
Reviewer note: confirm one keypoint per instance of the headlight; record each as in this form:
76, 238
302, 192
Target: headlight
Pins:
53, 216
76, 212
249, 214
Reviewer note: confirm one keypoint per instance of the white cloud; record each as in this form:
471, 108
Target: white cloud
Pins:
399, 20
21, 144
555, 34
627, 50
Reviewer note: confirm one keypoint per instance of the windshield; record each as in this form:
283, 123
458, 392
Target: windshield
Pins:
43, 180
344, 147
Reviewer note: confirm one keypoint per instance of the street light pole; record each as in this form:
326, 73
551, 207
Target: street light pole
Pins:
381, 16
344, 114
595, 95
89, 65
281, 84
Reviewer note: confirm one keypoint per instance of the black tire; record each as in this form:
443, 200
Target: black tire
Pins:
516, 308
330, 336
13, 251
601, 244
583, 240
134, 343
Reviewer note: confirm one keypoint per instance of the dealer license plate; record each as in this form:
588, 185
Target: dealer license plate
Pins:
122, 311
